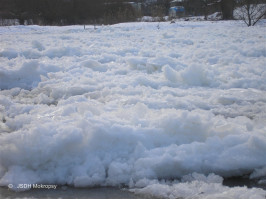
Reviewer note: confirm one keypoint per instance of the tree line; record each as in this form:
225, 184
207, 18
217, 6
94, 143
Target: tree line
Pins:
68, 12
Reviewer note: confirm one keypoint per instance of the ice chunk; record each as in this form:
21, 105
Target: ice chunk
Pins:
200, 187
37, 45
9, 53
94, 65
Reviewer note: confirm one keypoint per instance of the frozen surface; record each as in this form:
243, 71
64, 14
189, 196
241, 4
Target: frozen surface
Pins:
195, 186
140, 105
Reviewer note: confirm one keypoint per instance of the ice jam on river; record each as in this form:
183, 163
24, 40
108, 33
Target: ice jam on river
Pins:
164, 110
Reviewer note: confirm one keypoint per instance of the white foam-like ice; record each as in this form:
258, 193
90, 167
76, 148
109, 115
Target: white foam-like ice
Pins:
131, 104
196, 186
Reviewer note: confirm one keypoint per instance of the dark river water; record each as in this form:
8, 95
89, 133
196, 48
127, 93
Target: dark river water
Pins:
70, 193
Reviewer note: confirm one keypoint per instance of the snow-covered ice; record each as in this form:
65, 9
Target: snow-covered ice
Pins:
167, 112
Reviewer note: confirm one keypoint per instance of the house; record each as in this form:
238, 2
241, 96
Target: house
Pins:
176, 11
176, 8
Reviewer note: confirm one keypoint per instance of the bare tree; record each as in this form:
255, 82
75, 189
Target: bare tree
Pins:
250, 11
227, 8
158, 11
206, 6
